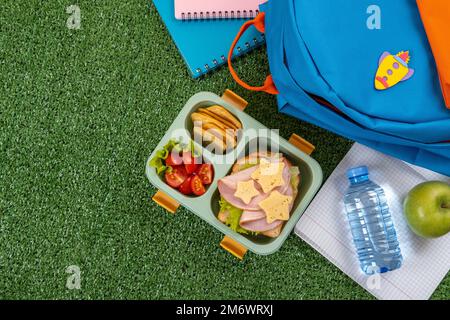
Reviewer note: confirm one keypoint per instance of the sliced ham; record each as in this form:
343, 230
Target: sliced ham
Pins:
227, 187
228, 194
249, 216
286, 178
244, 175
255, 221
290, 192
259, 225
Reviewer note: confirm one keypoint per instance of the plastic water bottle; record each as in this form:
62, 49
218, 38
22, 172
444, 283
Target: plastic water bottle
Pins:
371, 224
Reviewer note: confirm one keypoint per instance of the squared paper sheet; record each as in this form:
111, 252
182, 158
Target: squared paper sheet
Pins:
325, 227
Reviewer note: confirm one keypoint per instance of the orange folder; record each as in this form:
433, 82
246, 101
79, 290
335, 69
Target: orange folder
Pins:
436, 19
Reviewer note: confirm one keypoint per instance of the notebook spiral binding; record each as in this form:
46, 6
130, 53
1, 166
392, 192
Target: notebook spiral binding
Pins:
256, 42
244, 14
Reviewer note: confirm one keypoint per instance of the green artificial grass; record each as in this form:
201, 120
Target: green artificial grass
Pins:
80, 111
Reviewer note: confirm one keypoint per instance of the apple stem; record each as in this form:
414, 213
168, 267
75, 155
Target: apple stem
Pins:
446, 205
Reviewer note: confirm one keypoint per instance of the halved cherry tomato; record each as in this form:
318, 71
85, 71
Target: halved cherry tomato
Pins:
176, 176
206, 173
174, 159
185, 187
197, 186
190, 163
191, 168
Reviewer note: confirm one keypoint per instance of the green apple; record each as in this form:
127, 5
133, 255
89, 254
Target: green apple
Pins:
427, 209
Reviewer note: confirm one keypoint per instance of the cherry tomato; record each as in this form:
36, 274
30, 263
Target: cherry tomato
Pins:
185, 187
176, 177
191, 168
190, 163
197, 186
174, 159
206, 173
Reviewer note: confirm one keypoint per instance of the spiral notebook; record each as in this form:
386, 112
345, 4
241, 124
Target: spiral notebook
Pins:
204, 44
325, 227
216, 9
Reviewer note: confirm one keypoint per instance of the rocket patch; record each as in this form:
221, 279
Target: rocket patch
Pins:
392, 69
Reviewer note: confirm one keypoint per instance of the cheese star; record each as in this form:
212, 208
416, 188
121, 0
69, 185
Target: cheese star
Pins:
276, 207
246, 191
269, 175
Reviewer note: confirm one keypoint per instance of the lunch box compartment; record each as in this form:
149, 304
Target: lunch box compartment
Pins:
304, 167
205, 159
268, 144
207, 205
189, 124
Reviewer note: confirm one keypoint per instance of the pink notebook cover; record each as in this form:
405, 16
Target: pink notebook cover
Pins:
216, 9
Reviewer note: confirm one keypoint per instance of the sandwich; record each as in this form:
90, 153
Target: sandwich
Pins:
258, 196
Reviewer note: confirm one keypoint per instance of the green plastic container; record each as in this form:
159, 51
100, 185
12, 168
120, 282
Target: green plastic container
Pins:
207, 205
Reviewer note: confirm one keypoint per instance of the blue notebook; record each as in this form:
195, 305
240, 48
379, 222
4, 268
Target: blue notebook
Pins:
204, 44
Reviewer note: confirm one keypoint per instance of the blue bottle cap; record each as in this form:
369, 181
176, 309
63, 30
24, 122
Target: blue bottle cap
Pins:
357, 172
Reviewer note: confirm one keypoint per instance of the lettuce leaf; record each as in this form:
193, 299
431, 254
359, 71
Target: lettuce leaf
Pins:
158, 162
295, 176
248, 165
234, 216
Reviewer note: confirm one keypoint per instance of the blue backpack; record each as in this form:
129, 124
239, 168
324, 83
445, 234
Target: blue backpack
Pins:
361, 69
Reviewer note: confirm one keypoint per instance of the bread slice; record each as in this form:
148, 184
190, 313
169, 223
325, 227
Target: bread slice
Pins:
223, 113
274, 233
223, 216
217, 143
227, 123
222, 129
225, 135
204, 118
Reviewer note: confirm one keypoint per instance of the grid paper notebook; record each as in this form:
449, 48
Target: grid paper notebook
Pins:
204, 44
216, 9
325, 227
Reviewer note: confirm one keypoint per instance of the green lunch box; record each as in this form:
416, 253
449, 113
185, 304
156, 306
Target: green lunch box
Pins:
296, 150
